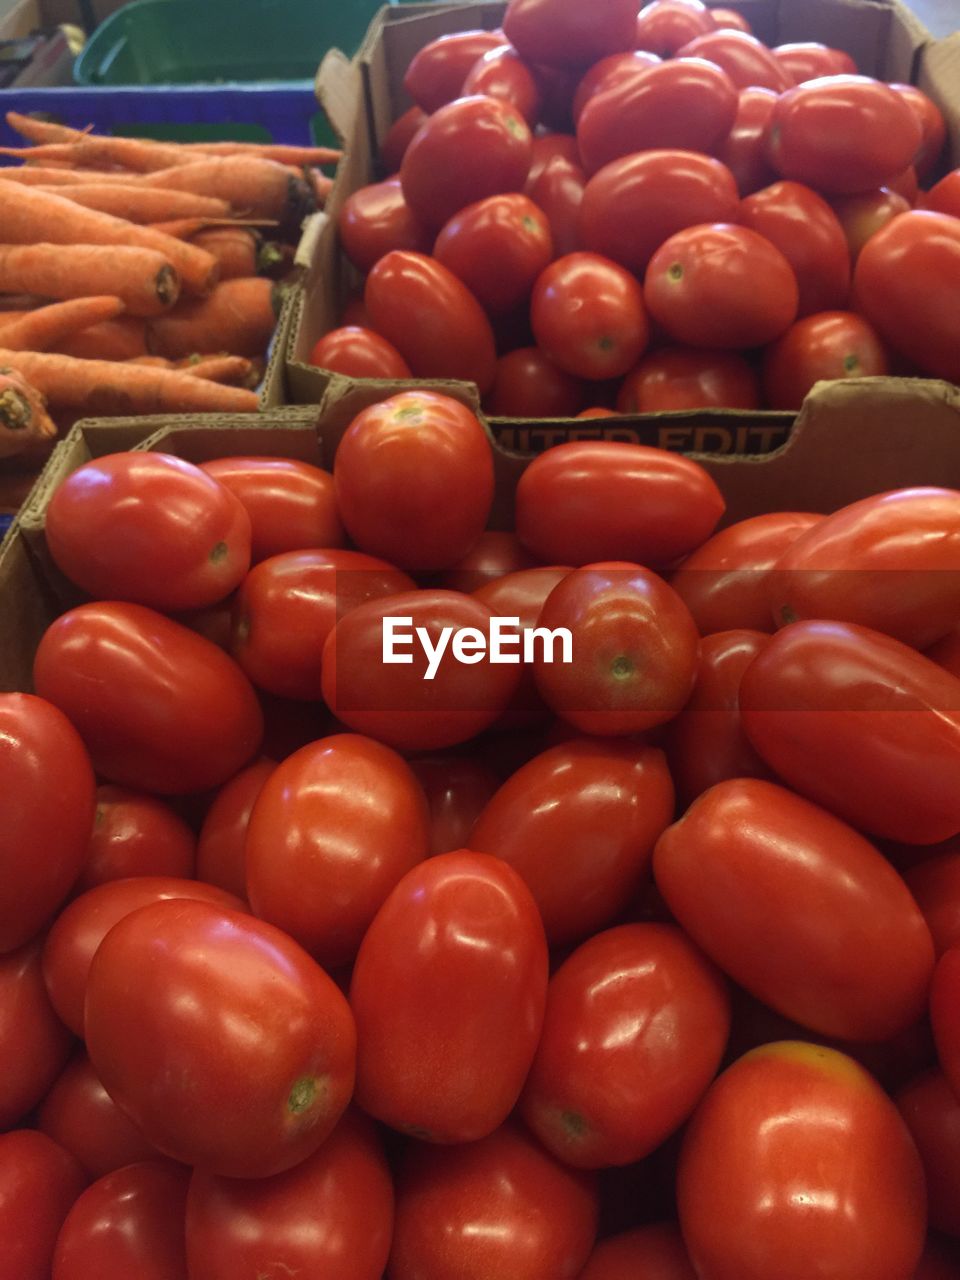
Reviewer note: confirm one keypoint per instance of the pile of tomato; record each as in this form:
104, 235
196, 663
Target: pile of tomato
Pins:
588, 212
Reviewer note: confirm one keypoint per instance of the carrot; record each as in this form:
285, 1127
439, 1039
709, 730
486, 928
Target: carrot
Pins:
238, 317
24, 420
232, 370
254, 187
20, 302
320, 185
142, 278
235, 248
28, 215
140, 204
120, 339
187, 228
152, 362
111, 390
42, 329
47, 176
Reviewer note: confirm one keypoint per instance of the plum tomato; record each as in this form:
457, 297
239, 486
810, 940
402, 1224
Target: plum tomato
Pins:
508, 230
933, 127
804, 60
935, 883
555, 184
457, 790
39, 1182
826, 346
528, 385
564, 33
945, 1015
358, 353
398, 138
653, 1253
665, 26
502, 73
377, 219
944, 196
436, 72
494, 555
34, 1042
608, 71
864, 214
932, 1114
741, 150
731, 19
135, 835
683, 378
221, 856
746, 60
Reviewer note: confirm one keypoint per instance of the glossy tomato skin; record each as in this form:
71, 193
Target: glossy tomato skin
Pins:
653, 1253
502, 73
635, 1028
149, 528
826, 346
509, 230
746, 60
633, 204
436, 73
564, 34
555, 184
529, 385
498, 1205
932, 1114
815, 1166
432, 319
376, 219
457, 790
944, 196
448, 993
672, 378
730, 18
494, 555
220, 846
583, 501
398, 138
39, 1181
135, 835
945, 1015
720, 285
290, 503
129, 1222
935, 883
45, 830
665, 26
861, 216
742, 149
358, 353
608, 71
842, 133
795, 931
159, 708
933, 127
804, 60
34, 1042
579, 823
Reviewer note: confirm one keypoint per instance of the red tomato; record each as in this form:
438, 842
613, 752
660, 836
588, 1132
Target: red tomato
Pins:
557, 188
34, 1043
645, 1253
724, 583
48, 793
129, 1223
500, 1206
635, 203
746, 60
798, 908
39, 1181
665, 26
579, 823
588, 316
509, 230
935, 884
150, 528
596, 412
432, 319
159, 708
291, 504
588, 501
687, 103
404, 705
330, 1216
809, 60
289, 604
906, 184
492, 556
944, 196
842, 133
906, 283
933, 127
358, 353
550, 147
815, 1168
135, 835
457, 791
220, 848
376, 219
823, 347
932, 1114
436, 72
398, 138
861, 216
742, 149
562, 33
635, 1028
684, 378
502, 73
609, 71
945, 1015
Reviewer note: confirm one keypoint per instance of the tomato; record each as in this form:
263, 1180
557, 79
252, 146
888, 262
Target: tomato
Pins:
742, 148
80, 1115
358, 353
720, 285
798, 908
842, 133
220, 847
588, 316
906, 184
159, 708
933, 127
509, 230
149, 528
746, 60
291, 504
944, 196
815, 1168
135, 835
376, 219
633, 204
596, 412
861, 216
502, 73
39, 1181
555, 184
45, 828
436, 72
945, 1015
635, 1028
587, 501
403, 705
823, 347
562, 33
289, 604
129, 1222
457, 790
809, 235
665, 26
724, 583
932, 1114
34, 1043
647, 1253
500, 1206
579, 823
414, 480
608, 71
331, 1215
687, 103
432, 319
905, 283
549, 147
494, 555
809, 60
398, 138
935, 884
684, 378
889, 562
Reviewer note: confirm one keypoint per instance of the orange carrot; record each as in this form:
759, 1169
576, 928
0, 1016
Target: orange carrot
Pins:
238, 317
120, 339
141, 204
46, 176
47, 326
320, 185
254, 187
142, 278
187, 228
152, 362
112, 390
235, 248
24, 420
28, 215
231, 370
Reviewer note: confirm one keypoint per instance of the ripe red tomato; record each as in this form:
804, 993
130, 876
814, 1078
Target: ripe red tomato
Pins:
579, 823
935, 884
906, 184
798, 908
809, 60
509, 230
149, 528
457, 790
823, 347
665, 26
220, 848
39, 1181
633, 204
906, 282
358, 353
135, 835
842, 133
159, 708
635, 1028
375, 220
746, 60
502, 73
528, 385
944, 196
861, 216
291, 504
45, 828
587, 501
932, 1114
331, 1215
555, 184
562, 33
498, 1206
432, 319
608, 71
672, 378
742, 149
398, 138
730, 18
494, 555
653, 1253
34, 1042
720, 285
815, 1167
933, 127
436, 72
128, 1223
588, 316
